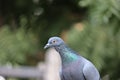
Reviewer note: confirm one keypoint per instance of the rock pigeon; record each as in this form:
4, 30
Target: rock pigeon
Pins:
74, 66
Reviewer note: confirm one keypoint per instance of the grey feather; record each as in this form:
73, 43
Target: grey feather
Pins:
74, 66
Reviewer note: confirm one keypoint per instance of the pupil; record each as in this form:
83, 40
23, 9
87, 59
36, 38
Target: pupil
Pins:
53, 41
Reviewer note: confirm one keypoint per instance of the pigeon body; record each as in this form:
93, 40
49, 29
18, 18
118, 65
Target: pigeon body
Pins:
74, 66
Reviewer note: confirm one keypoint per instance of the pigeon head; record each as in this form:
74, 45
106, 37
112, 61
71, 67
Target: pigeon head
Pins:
53, 42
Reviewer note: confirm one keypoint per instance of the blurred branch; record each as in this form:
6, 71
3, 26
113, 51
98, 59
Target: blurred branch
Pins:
21, 72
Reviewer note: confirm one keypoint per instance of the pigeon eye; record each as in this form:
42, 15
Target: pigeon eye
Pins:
54, 41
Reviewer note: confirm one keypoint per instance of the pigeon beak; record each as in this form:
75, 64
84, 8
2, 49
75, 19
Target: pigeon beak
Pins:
47, 45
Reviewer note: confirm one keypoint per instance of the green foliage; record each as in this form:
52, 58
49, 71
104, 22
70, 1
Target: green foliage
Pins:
16, 45
102, 11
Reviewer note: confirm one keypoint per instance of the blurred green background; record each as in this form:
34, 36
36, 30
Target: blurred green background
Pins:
91, 27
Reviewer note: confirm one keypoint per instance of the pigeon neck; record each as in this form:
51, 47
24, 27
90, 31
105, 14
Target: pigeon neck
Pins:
67, 55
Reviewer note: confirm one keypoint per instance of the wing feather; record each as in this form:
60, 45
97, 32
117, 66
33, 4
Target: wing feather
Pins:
90, 72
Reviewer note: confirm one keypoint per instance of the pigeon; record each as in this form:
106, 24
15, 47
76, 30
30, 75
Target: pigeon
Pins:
74, 66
